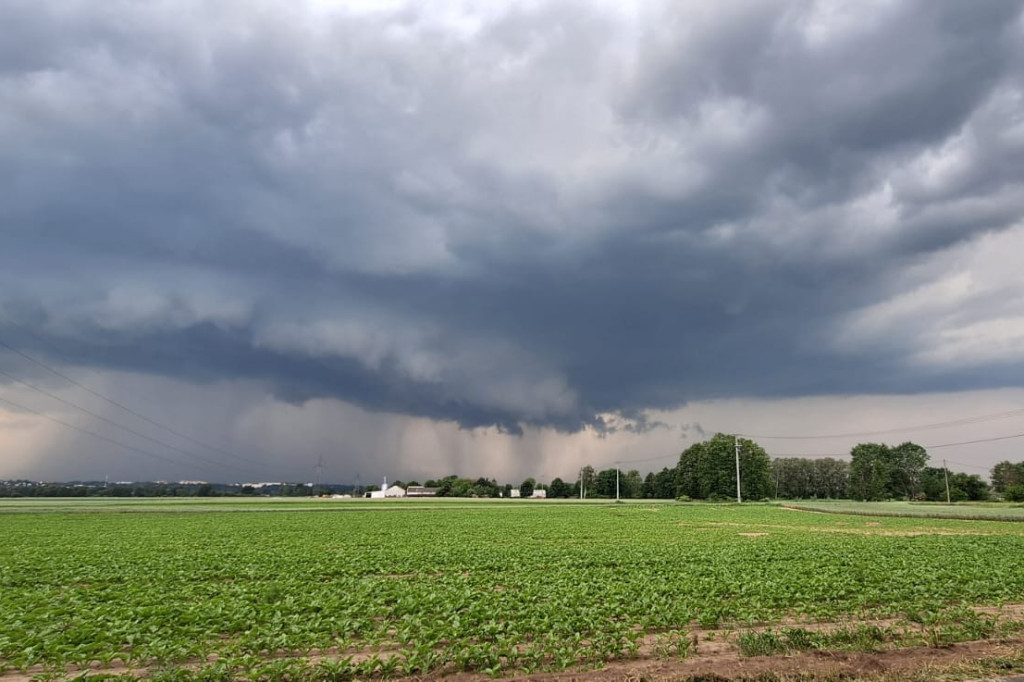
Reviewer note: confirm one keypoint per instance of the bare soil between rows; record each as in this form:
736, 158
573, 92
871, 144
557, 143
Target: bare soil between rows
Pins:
714, 656
725, 665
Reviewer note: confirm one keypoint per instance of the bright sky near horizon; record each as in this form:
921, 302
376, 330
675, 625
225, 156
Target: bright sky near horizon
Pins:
504, 239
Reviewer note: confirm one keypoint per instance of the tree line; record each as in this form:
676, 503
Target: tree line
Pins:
704, 471
875, 471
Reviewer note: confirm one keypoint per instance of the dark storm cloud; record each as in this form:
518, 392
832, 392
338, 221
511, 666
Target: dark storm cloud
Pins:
536, 216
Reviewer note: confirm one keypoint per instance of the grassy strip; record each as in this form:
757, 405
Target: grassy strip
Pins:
900, 514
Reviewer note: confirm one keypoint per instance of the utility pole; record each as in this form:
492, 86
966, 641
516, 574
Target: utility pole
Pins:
739, 498
945, 470
319, 470
616, 481
581, 483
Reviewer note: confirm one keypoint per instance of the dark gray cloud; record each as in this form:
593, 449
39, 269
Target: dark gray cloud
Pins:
537, 215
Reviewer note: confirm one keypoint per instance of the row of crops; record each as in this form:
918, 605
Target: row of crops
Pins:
402, 589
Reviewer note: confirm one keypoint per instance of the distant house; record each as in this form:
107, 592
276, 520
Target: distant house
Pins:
385, 491
514, 492
539, 494
420, 491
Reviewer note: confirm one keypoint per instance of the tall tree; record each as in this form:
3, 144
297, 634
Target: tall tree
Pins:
869, 471
708, 470
660, 485
604, 484
632, 484
832, 477
526, 487
1006, 475
961, 486
587, 478
906, 462
969, 486
879, 472
559, 488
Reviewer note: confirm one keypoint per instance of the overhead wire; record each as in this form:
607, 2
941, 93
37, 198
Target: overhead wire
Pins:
928, 447
969, 466
645, 459
906, 429
142, 451
977, 440
118, 425
127, 409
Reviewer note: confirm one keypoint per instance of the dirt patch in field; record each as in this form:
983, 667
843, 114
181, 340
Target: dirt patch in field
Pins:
753, 535
820, 665
716, 662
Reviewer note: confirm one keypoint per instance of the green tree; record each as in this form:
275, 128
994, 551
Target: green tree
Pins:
526, 487
632, 485
962, 487
832, 477
1006, 475
879, 472
969, 486
662, 485
587, 479
559, 488
869, 471
933, 484
707, 470
483, 487
604, 484
1014, 493
906, 461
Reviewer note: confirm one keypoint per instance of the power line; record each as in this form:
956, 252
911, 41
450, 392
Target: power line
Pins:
127, 409
87, 432
970, 466
645, 459
810, 454
921, 427
116, 424
977, 440
926, 447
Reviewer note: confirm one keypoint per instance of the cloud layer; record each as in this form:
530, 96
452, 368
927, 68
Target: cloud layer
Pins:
524, 216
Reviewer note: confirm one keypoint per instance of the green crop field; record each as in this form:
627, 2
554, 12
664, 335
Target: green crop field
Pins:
334, 590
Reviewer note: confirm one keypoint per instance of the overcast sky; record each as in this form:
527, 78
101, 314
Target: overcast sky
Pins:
504, 239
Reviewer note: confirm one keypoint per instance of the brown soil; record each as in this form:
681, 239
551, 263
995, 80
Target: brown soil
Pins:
713, 656
722, 663
823, 665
